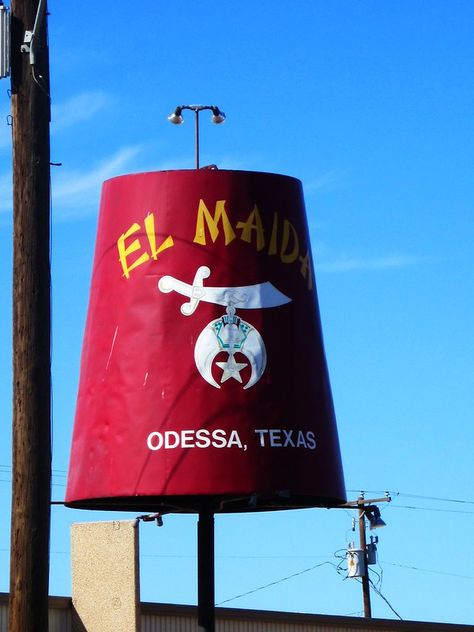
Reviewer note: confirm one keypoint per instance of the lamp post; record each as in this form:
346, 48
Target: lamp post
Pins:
176, 118
205, 530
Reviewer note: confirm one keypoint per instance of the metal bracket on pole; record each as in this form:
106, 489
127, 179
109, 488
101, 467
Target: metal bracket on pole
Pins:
26, 46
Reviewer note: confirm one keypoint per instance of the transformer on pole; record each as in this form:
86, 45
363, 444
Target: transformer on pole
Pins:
4, 41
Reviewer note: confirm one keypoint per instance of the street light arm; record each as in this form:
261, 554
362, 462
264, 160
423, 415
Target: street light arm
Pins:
176, 118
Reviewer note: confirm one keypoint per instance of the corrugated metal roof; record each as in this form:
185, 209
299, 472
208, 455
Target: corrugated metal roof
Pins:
59, 620
3, 617
176, 618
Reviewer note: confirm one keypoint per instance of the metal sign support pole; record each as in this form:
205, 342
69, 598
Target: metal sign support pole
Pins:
196, 137
206, 612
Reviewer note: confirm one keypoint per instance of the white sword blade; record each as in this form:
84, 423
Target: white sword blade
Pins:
256, 296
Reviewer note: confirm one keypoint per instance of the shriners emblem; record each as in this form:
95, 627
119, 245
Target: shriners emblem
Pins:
229, 333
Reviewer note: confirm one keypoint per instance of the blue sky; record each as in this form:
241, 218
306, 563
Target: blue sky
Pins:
370, 105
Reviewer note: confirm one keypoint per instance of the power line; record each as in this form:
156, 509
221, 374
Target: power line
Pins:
61, 473
278, 581
429, 570
259, 557
437, 498
385, 599
58, 472
219, 557
446, 500
7, 470
458, 511
2, 480
9, 480
245, 557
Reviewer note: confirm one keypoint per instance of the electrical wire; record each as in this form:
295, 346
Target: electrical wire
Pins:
7, 469
9, 480
372, 570
385, 599
245, 557
429, 570
458, 511
278, 581
381, 572
340, 569
446, 500
437, 498
56, 470
357, 613
38, 83
62, 473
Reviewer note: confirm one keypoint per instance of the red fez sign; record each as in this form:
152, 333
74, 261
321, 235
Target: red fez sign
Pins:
203, 378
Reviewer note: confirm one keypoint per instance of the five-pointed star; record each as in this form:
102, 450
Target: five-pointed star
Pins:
231, 368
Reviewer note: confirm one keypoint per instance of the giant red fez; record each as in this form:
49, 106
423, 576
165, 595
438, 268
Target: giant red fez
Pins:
203, 379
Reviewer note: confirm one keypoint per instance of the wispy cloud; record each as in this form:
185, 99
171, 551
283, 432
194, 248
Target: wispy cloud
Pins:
80, 107
171, 165
6, 203
328, 181
76, 193
5, 136
5, 128
388, 262
236, 162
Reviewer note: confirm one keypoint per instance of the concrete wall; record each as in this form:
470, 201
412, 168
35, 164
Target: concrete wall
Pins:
105, 576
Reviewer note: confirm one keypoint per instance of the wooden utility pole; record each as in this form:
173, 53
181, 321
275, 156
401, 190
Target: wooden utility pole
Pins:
29, 563
366, 507
363, 546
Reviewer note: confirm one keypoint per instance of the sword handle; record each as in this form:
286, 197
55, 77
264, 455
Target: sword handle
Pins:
194, 292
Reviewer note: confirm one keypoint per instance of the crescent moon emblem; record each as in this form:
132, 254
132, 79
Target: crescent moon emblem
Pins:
216, 337
257, 354
205, 351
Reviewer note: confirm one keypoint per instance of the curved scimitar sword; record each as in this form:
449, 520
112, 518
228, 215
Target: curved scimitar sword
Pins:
244, 297
194, 292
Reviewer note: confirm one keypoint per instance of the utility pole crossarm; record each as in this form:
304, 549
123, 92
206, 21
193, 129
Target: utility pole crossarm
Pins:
353, 504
